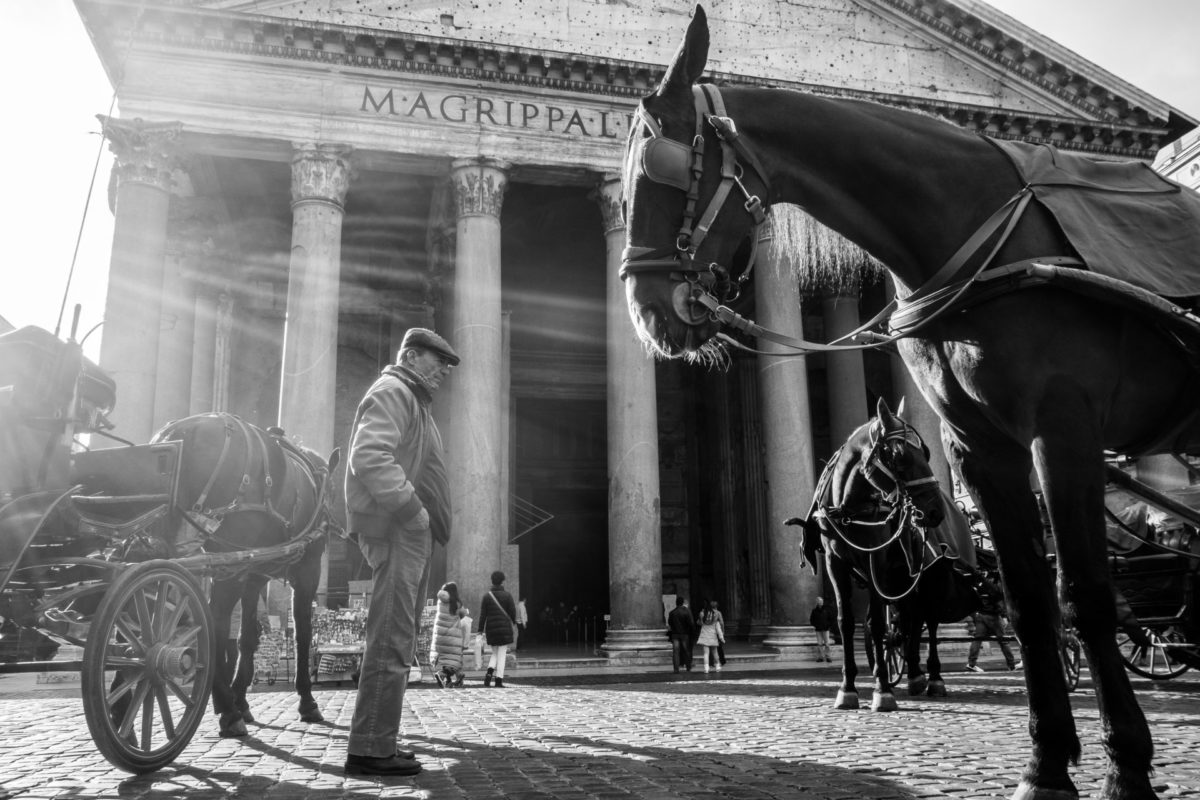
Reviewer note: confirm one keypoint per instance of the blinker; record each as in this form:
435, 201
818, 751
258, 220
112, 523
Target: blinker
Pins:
668, 162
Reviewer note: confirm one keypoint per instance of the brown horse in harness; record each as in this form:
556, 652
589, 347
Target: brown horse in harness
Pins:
241, 487
1043, 378
880, 517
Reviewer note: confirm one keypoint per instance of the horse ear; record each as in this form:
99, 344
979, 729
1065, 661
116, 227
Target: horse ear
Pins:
900, 408
883, 411
688, 64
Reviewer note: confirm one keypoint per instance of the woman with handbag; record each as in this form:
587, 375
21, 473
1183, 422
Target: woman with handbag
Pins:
712, 633
496, 614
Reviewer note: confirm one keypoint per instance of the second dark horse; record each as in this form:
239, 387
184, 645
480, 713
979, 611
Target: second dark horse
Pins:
880, 517
241, 487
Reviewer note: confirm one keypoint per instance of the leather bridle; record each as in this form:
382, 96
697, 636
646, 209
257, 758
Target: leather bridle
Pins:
681, 165
895, 509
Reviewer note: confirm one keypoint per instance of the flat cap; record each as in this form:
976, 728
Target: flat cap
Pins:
428, 340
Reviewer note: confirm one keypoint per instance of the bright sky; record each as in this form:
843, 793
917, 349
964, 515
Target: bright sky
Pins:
55, 87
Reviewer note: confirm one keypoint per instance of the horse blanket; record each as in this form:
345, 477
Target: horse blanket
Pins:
1125, 220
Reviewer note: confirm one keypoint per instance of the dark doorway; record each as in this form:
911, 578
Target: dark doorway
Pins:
561, 468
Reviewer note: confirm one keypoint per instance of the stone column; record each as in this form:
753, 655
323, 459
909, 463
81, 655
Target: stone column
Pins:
204, 350
473, 437
132, 313
636, 627
844, 371
320, 178
787, 435
308, 378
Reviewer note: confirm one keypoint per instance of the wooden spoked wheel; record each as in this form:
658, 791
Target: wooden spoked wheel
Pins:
1072, 658
148, 666
1157, 662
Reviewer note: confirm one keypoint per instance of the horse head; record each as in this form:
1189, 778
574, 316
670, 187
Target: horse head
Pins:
886, 462
692, 208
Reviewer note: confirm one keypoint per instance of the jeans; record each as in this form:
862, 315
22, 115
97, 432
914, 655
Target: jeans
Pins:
681, 653
400, 580
987, 626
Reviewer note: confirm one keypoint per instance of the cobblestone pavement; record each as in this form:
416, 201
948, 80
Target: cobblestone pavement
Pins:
747, 734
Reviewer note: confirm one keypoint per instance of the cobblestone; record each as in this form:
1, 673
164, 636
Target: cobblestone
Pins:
747, 734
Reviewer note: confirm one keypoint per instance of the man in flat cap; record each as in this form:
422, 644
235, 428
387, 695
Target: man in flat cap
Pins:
398, 505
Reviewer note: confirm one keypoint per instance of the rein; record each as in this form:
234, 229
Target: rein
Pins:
665, 161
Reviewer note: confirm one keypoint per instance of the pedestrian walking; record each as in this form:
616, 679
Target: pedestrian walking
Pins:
712, 634
449, 638
522, 620
496, 613
821, 619
398, 504
681, 626
988, 625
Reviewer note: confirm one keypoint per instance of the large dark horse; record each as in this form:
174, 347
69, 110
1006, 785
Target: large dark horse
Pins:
1043, 378
241, 487
880, 517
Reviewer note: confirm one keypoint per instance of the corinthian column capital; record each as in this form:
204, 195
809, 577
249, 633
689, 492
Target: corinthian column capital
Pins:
146, 151
608, 196
320, 172
479, 186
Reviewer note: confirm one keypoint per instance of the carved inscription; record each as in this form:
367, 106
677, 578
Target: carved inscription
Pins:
491, 112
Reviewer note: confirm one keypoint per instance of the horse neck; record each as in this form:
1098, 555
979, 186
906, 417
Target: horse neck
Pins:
907, 188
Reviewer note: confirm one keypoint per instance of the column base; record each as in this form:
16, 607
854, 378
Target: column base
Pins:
790, 640
637, 646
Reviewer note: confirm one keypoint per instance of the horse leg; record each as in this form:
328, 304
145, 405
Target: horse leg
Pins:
882, 698
221, 604
847, 696
918, 681
937, 686
996, 472
248, 640
1074, 492
304, 577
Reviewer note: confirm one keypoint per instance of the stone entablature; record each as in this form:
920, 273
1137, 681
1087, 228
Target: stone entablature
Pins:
1108, 124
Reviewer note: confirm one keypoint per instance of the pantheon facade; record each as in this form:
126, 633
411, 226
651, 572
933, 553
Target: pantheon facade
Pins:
297, 182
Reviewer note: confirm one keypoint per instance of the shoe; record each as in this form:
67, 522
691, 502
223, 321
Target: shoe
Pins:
974, 668
1017, 666
487, 677
409, 754
499, 683
386, 765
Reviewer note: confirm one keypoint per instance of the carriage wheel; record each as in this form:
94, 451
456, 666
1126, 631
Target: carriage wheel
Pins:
897, 666
1071, 654
1156, 662
147, 670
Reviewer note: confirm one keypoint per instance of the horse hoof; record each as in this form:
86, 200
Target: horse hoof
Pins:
936, 689
917, 686
311, 715
234, 730
883, 701
846, 701
1026, 791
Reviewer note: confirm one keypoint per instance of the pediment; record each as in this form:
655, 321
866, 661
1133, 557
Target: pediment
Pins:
961, 52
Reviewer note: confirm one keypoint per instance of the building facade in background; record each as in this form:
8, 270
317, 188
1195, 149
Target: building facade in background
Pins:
300, 181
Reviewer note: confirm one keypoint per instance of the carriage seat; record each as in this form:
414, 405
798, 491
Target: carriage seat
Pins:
125, 483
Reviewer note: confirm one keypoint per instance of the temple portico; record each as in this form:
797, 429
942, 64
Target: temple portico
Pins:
296, 188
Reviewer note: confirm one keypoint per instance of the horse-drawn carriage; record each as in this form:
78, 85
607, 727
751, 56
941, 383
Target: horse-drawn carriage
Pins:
115, 551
